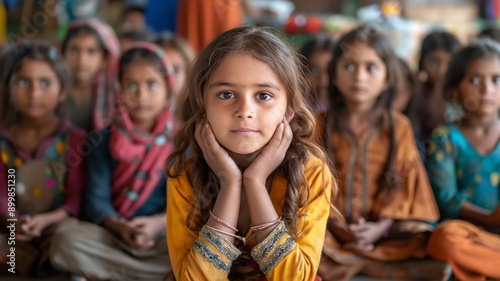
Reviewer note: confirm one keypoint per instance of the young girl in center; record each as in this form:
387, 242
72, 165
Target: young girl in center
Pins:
386, 200
251, 200
42, 171
91, 49
125, 198
464, 166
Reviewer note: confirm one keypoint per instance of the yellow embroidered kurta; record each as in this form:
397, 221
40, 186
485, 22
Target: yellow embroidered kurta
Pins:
360, 163
206, 255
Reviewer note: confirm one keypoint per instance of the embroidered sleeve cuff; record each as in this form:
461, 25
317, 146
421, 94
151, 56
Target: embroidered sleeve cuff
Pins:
216, 249
273, 249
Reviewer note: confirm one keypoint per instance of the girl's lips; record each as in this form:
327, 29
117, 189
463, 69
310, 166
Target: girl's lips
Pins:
244, 131
486, 101
358, 89
143, 107
35, 105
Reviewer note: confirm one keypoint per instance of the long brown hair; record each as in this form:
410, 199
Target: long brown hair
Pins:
372, 36
265, 45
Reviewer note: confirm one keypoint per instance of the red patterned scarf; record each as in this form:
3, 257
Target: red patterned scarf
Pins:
140, 155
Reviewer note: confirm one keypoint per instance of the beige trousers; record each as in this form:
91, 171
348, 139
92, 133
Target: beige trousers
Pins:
91, 251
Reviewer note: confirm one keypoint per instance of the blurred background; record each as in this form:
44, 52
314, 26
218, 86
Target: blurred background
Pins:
406, 20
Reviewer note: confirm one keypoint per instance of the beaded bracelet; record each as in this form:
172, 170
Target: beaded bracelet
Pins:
243, 239
265, 225
223, 222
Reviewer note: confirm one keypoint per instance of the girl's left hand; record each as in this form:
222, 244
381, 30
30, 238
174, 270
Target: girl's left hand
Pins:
20, 233
147, 228
369, 232
34, 225
271, 156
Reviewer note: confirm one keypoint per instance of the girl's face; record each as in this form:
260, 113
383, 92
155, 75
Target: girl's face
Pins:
35, 89
435, 65
144, 91
479, 90
318, 64
361, 74
244, 102
179, 67
85, 57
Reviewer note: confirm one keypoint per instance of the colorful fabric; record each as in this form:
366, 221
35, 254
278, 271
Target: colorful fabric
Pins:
52, 177
473, 253
360, 162
201, 254
104, 86
457, 172
140, 154
200, 21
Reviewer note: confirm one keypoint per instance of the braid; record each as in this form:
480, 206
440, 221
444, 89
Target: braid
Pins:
294, 198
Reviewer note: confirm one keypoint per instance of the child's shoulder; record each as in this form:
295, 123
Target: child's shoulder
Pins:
313, 162
402, 126
401, 122
314, 166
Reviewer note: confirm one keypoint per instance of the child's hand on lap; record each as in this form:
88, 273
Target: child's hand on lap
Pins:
34, 225
21, 234
367, 233
131, 236
146, 230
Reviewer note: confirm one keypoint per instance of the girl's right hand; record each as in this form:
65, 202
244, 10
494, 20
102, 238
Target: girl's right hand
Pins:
217, 158
21, 234
132, 237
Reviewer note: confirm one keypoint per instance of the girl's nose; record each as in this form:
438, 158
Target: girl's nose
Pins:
360, 73
245, 109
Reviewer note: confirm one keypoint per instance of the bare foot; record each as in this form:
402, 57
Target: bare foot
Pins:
412, 269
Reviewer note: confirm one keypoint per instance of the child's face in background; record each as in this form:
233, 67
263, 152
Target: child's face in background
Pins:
133, 20
435, 65
36, 89
318, 64
361, 75
479, 90
244, 102
85, 57
144, 91
179, 65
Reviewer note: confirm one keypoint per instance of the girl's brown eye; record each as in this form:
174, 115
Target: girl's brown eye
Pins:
226, 95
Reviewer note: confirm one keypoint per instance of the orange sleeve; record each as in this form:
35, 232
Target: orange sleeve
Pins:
280, 256
194, 254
